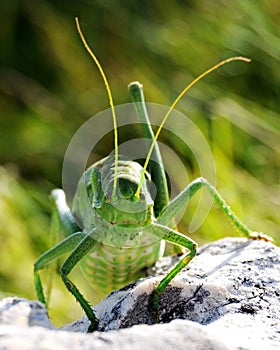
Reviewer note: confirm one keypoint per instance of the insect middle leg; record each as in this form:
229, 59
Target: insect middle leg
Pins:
52, 254
83, 248
80, 244
77, 243
170, 210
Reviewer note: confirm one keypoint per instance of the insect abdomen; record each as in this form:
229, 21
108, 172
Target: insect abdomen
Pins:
109, 268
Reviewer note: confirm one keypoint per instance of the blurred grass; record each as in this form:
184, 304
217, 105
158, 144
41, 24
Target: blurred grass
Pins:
49, 87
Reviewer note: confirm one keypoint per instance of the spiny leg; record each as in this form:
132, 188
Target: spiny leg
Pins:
178, 202
54, 253
177, 238
84, 247
77, 242
167, 214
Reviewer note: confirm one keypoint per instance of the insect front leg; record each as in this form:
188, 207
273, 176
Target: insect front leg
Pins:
177, 238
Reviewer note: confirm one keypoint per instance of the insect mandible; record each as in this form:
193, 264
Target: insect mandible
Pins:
104, 193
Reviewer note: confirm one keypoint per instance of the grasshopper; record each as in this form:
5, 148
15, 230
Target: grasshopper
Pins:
113, 205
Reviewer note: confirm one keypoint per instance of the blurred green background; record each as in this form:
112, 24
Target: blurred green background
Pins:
49, 87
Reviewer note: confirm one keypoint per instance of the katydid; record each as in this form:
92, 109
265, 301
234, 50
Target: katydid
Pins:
113, 205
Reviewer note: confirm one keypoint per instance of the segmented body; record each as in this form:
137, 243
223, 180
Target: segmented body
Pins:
110, 268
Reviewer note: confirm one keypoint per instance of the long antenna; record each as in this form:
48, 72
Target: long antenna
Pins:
110, 101
238, 58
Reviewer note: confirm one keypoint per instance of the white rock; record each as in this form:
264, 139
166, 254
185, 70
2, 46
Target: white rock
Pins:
228, 298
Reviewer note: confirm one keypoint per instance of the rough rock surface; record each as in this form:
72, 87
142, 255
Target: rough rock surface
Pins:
228, 298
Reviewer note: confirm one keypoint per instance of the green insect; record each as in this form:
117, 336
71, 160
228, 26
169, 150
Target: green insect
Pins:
115, 229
